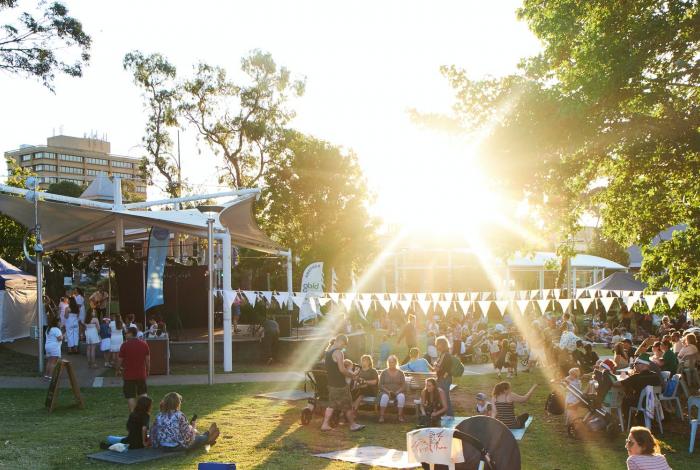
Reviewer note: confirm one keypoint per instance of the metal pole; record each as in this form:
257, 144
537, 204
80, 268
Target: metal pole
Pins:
40, 307
210, 299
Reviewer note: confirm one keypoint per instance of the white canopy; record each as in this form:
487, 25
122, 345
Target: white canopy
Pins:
540, 259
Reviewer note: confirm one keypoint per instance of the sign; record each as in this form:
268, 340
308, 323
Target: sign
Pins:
67, 281
311, 283
52, 394
157, 252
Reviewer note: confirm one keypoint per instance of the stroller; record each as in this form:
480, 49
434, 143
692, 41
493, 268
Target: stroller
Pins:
318, 380
486, 444
596, 421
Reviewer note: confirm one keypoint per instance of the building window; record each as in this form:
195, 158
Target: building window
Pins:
43, 167
70, 158
71, 180
140, 189
125, 176
47, 155
91, 172
119, 164
95, 161
47, 179
26, 158
70, 169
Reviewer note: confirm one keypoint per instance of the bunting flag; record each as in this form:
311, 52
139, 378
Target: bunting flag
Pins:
604, 292
671, 298
350, 295
335, 296
393, 297
464, 305
564, 304
462, 296
281, 298
581, 293
557, 293
510, 295
484, 306
485, 296
424, 305
385, 304
651, 300
473, 296
363, 296
299, 299
607, 302
523, 295
545, 293
421, 296
502, 305
322, 301
445, 306
251, 296
585, 303
522, 305
630, 301
229, 296
543, 304
268, 295
347, 303
366, 304
533, 294
405, 305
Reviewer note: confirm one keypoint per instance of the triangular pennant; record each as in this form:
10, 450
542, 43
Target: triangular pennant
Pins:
534, 293
421, 296
585, 303
651, 300
564, 304
229, 296
604, 292
543, 304
523, 295
510, 295
671, 298
385, 304
393, 297
464, 305
581, 293
281, 298
473, 296
424, 305
251, 296
268, 295
522, 305
630, 301
502, 305
485, 296
322, 301
362, 296
462, 296
299, 299
556, 292
405, 305
445, 306
484, 305
366, 304
545, 293
335, 296
350, 295
607, 302
347, 303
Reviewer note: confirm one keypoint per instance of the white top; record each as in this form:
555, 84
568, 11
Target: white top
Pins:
52, 337
81, 303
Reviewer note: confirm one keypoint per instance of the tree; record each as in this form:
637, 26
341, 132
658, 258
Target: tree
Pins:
156, 78
315, 202
609, 249
43, 43
65, 188
607, 115
243, 122
11, 232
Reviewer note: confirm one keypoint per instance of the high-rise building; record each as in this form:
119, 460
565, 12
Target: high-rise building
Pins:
78, 160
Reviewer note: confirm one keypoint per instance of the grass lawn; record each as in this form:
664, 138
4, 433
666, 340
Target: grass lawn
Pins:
16, 364
261, 434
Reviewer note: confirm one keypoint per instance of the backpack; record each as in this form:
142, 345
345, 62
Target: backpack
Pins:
671, 386
457, 367
554, 404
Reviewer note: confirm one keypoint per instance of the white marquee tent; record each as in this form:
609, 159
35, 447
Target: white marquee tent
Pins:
17, 302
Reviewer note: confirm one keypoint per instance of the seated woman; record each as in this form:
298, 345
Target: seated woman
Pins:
620, 358
392, 383
644, 451
137, 426
171, 430
416, 363
504, 405
367, 380
433, 404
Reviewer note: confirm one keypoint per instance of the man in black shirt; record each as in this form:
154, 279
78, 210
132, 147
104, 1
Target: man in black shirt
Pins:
635, 383
271, 334
338, 389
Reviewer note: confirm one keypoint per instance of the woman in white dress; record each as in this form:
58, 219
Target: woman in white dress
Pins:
52, 347
80, 300
72, 326
62, 312
92, 337
117, 327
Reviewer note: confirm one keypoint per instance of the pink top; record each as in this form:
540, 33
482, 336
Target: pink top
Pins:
647, 462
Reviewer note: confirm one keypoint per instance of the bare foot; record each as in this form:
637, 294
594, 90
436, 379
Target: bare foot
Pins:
213, 434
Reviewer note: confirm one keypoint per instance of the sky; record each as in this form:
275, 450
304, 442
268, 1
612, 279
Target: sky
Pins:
365, 64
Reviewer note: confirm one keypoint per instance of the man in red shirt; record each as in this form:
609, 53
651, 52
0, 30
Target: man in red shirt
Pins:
134, 364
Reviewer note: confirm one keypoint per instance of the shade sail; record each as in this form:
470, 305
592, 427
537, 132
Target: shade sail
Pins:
540, 259
238, 218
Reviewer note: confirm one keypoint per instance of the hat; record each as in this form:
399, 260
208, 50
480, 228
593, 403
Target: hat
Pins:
608, 365
481, 396
643, 359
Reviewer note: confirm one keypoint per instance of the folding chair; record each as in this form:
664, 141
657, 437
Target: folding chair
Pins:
613, 401
641, 407
674, 396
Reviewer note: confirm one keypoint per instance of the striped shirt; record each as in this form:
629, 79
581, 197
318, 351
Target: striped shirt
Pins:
647, 462
505, 413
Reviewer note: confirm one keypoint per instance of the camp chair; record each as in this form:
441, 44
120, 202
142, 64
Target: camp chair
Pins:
674, 396
613, 401
641, 407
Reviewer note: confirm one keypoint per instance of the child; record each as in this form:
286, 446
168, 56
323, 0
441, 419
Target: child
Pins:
493, 350
105, 342
573, 379
137, 425
430, 349
347, 363
384, 350
483, 407
512, 361
501, 357
152, 328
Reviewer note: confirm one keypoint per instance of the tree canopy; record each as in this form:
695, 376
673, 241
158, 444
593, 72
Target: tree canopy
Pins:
607, 116
65, 188
43, 42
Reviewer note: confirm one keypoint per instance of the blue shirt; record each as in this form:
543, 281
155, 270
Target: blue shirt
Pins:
419, 365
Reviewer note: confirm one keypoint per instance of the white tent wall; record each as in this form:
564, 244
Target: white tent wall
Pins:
17, 313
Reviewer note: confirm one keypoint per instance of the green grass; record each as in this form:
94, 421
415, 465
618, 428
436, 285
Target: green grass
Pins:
264, 434
17, 364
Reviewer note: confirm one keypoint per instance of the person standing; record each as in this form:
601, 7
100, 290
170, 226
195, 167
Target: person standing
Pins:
80, 300
117, 337
92, 337
271, 335
98, 300
443, 370
339, 396
134, 363
52, 347
62, 312
409, 334
73, 326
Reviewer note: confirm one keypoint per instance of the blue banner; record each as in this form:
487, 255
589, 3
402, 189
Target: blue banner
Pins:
157, 251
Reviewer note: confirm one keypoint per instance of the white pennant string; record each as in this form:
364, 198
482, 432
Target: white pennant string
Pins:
651, 300
405, 305
385, 304
322, 301
585, 303
556, 292
630, 301
502, 304
543, 303
347, 303
607, 302
464, 305
281, 298
299, 299
484, 305
671, 298
335, 296
485, 295
251, 296
522, 305
473, 296
366, 304
424, 305
445, 306
268, 295
393, 297
564, 304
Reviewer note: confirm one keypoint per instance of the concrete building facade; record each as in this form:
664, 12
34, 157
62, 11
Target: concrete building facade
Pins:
78, 160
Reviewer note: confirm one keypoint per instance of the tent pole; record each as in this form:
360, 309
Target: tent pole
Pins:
228, 334
210, 303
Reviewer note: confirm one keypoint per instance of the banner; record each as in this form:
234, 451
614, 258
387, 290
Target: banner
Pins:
157, 251
311, 283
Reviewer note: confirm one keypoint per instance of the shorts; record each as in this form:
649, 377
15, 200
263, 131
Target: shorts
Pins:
339, 398
134, 388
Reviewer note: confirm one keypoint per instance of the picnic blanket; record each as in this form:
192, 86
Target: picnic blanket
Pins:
134, 456
373, 456
453, 421
287, 395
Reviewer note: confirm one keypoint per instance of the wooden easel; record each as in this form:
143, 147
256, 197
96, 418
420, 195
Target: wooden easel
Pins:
52, 394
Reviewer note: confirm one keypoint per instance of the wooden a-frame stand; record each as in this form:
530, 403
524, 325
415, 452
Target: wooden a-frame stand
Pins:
52, 394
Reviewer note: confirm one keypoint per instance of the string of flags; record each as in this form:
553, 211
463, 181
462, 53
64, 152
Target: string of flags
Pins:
443, 302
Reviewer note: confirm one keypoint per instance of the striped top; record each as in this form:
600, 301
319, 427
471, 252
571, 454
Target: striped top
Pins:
647, 462
505, 413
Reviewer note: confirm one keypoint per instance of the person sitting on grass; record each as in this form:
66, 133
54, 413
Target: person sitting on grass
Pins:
644, 451
172, 431
416, 363
367, 380
504, 405
433, 403
483, 407
392, 383
137, 426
